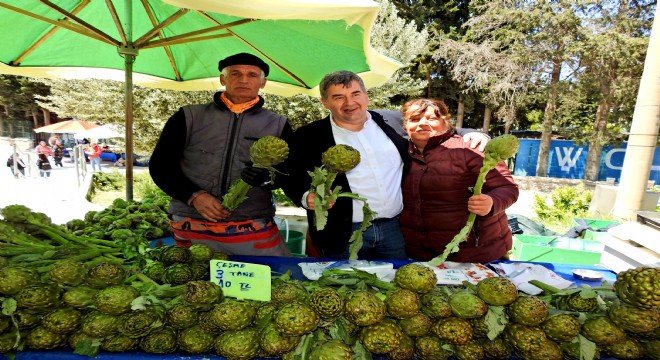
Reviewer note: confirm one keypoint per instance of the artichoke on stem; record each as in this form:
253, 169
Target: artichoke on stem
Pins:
265, 153
497, 150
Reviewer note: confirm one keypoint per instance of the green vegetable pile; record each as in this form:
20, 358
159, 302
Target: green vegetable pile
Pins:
165, 306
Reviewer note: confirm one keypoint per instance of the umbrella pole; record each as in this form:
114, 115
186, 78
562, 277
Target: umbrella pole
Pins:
129, 53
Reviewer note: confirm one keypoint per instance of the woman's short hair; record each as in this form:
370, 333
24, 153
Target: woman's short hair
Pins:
417, 107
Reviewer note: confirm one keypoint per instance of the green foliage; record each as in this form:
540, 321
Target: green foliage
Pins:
281, 199
563, 204
108, 181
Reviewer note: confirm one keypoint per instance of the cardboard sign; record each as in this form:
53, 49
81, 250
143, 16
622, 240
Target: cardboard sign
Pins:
242, 280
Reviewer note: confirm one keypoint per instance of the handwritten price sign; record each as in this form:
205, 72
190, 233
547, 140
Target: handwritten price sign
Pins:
242, 280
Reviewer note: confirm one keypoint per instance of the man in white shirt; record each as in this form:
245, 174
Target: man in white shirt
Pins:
383, 154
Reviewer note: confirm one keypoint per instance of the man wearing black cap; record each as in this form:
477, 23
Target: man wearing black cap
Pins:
204, 149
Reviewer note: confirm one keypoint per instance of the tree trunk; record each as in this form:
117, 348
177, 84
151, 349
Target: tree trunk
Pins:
35, 119
461, 111
548, 117
596, 139
487, 113
46, 116
429, 83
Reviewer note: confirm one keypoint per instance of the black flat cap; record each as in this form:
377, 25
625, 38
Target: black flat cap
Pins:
243, 59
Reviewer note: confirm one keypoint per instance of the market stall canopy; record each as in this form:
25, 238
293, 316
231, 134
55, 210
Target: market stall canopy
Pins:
67, 127
156, 44
178, 48
107, 131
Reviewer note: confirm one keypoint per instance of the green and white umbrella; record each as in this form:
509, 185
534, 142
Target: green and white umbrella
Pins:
176, 44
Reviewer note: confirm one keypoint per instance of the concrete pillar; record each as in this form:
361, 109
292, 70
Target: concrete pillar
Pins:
643, 133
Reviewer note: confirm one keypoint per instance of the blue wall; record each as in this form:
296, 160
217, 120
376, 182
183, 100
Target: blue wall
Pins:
568, 160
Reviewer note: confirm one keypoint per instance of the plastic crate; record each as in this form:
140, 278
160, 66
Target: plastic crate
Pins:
558, 250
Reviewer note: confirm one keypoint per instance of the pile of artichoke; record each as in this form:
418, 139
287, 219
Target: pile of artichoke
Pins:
161, 308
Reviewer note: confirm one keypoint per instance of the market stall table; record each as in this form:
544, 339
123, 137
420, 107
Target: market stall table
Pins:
280, 265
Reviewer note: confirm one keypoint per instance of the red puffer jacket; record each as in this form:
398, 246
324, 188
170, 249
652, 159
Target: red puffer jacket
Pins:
435, 195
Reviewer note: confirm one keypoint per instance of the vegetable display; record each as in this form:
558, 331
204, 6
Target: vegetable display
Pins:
497, 150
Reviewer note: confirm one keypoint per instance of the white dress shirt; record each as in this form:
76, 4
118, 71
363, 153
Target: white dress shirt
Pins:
378, 175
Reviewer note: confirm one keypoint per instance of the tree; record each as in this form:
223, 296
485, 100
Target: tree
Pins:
613, 57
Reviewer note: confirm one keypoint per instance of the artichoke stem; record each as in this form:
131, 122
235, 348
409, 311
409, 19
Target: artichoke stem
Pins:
545, 287
470, 285
236, 194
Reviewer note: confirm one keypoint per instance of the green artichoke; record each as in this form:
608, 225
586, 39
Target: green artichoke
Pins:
331, 350
268, 151
13, 279
287, 292
415, 277
634, 319
296, 319
138, 323
175, 255
181, 316
195, 340
178, 274
27, 319
62, 320
80, 297
402, 304
340, 158
119, 343
99, 325
639, 287
105, 274
41, 339
561, 327
626, 349
8, 342
238, 345
548, 350
232, 314
497, 291
201, 253
364, 308
572, 351
327, 302
429, 347
154, 271
205, 322
38, 297
467, 305
161, 341
576, 302
202, 295
381, 338
115, 299
200, 271
496, 348
602, 331
418, 325
528, 310
275, 343
405, 350
68, 272
652, 349
469, 351
524, 339
454, 330
436, 305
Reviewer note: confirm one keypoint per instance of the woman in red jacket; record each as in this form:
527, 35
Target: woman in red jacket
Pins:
437, 196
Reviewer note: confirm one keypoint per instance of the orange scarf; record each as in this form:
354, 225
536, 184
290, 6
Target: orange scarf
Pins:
238, 108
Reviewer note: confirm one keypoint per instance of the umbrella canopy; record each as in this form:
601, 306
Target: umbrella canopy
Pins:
178, 48
166, 46
67, 127
107, 131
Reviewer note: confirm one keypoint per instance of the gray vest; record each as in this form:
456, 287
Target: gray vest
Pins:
217, 149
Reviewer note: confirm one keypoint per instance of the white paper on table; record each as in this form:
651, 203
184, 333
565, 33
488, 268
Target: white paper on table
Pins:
521, 273
383, 270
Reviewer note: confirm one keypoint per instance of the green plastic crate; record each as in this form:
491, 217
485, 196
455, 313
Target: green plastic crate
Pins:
556, 250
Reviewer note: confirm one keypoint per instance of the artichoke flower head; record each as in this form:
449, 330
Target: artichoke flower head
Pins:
503, 147
340, 158
268, 151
